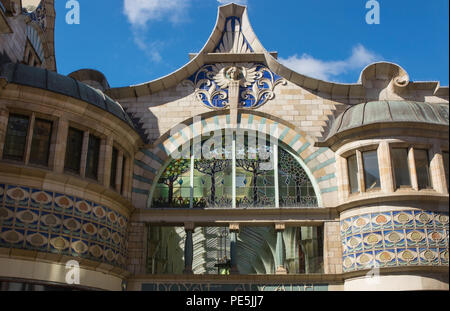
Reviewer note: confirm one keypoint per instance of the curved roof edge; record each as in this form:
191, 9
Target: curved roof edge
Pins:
45, 79
337, 90
378, 112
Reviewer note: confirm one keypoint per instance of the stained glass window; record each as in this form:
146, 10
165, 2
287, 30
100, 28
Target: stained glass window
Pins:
73, 151
295, 187
16, 137
255, 182
40, 145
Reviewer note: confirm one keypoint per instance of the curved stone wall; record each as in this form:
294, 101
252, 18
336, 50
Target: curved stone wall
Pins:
52, 222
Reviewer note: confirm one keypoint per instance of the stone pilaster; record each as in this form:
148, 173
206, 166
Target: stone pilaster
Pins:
332, 248
437, 171
84, 154
280, 250
60, 145
188, 248
137, 240
385, 165
106, 150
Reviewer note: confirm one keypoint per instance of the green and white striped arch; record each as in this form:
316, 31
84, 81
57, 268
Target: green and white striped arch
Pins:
319, 163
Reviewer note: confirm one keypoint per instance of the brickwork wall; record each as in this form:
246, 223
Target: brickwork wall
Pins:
332, 248
137, 239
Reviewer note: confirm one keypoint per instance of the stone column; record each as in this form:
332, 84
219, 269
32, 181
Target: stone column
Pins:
361, 181
106, 153
280, 250
4, 115
437, 172
84, 154
234, 230
188, 248
412, 169
385, 164
332, 257
276, 177
60, 145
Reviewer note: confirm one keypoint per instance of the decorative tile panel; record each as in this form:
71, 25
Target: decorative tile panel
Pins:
399, 238
52, 222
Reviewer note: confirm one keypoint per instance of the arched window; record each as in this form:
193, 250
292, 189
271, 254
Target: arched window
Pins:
255, 179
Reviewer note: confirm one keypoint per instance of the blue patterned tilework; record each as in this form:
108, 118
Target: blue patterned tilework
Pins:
391, 239
52, 222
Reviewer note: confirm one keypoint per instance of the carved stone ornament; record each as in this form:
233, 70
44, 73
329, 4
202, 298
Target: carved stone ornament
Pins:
256, 84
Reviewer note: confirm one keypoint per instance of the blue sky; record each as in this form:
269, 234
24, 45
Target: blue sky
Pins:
135, 41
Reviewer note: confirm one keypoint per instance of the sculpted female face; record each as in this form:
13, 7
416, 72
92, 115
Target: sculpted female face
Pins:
233, 73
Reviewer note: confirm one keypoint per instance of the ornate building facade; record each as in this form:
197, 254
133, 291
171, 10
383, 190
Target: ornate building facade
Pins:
233, 172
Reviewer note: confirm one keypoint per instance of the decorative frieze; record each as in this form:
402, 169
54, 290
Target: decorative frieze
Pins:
52, 222
392, 239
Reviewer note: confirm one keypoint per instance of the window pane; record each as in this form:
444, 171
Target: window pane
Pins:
371, 170
123, 174
445, 158
73, 150
112, 181
40, 144
16, 137
92, 157
352, 164
422, 168
400, 166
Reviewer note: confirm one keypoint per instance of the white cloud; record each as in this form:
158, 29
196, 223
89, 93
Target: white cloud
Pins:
140, 12
244, 2
327, 70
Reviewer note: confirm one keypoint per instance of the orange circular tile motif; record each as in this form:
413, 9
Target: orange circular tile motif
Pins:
41, 197
381, 219
90, 229
348, 262
386, 257
112, 217
436, 236
83, 207
99, 212
17, 194
63, 202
